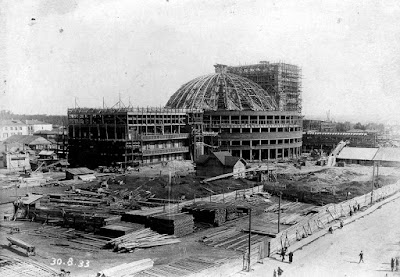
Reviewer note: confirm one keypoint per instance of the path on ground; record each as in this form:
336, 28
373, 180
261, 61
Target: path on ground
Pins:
376, 234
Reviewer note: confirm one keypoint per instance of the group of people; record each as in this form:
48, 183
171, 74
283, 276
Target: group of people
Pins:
394, 263
283, 253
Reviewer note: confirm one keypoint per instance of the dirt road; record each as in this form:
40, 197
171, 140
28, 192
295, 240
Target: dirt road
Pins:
337, 254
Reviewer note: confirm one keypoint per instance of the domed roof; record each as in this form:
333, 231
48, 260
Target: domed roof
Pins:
222, 90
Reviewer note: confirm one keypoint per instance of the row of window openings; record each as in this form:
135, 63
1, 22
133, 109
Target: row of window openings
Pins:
5, 135
13, 128
256, 130
258, 142
163, 145
254, 122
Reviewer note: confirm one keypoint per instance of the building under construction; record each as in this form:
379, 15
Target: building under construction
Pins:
240, 117
125, 136
280, 80
216, 112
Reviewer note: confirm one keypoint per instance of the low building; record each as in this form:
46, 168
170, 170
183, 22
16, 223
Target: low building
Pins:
327, 141
17, 161
27, 142
36, 125
11, 127
357, 155
219, 163
82, 173
388, 156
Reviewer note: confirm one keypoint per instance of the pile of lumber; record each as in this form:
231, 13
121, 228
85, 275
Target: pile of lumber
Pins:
183, 267
140, 239
214, 213
14, 267
139, 216
230, 238
118, 230
180, 224
70, 238
127, 268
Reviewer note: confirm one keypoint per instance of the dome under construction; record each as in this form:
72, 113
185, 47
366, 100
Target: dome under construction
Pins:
222, 91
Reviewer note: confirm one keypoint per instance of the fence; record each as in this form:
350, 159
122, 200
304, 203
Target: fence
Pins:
326, 215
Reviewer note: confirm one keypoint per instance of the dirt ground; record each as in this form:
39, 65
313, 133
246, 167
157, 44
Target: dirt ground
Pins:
187, 184
376, 234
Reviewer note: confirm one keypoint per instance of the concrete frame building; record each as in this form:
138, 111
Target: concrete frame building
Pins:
216, 112
127, 135
240, 117
280, 80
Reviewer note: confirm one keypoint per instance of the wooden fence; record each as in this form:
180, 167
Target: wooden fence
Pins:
326, 214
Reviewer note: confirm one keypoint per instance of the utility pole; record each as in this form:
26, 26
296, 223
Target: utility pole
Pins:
248, 258
373, 180
279, 211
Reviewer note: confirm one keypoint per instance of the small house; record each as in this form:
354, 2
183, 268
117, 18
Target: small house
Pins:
219, 163
82, 173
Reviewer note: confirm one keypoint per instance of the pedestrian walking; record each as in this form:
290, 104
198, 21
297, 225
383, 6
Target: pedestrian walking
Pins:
290, 257
392, 262
274, 273
397, 263
361, 257
283, 252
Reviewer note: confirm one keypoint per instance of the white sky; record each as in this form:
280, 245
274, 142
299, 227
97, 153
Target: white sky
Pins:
145, 50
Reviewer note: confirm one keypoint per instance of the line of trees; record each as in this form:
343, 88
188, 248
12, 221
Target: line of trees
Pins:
59, 120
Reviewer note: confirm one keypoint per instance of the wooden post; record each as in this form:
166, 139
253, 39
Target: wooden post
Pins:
248, 260
279, 211
372, 183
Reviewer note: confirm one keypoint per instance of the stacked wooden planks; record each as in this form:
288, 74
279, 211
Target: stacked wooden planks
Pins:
12, 267
207, 212
70, 238
144, 238
179, 224
118, 230
139, 216
183, 267
230, 238
127, 269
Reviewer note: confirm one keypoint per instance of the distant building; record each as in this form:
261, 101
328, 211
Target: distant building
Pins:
219, 163
36, 125
58, 138
27, 142
11, 127
327, 141
357, 155
15, 161
318, 125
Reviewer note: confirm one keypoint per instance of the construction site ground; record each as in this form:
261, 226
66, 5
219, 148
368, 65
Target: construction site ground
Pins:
377, 234
153, 180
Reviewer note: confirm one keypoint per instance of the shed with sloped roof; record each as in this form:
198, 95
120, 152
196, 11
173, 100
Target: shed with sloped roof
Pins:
219, 163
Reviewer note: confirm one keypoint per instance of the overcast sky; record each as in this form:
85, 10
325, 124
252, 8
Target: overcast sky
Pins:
349, 51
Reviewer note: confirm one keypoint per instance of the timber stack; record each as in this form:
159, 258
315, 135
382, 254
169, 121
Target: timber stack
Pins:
180, 224
144, 238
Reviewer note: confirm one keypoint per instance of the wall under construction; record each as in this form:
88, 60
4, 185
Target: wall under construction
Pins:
128, 135
280, 80
255, 135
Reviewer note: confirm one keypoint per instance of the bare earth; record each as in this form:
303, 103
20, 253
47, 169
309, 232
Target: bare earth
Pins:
377, 235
